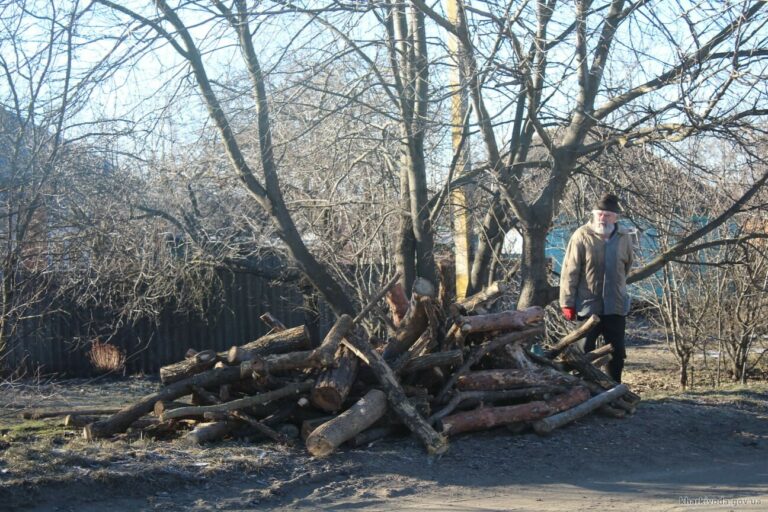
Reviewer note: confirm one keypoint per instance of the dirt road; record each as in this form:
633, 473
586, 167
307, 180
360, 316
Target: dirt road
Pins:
704, 450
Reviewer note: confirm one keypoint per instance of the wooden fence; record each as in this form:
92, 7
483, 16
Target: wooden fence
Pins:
59, 344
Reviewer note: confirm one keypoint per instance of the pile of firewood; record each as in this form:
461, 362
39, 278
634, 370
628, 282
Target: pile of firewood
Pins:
447, 367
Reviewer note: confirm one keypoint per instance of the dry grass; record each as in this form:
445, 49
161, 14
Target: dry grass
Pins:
106, 358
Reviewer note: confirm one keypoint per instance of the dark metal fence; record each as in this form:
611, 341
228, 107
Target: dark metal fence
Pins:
59, 344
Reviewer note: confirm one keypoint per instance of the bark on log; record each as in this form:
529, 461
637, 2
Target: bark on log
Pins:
434, 442
261, 427
308, 426
490, 417
447, 358
38, 414
485, 296
121, 420
600, 362
550, 423
573, 336
598, 353
200, 362
415, 321
333, 385
210, 431
326, 352
398, 303
504, 321
274, 324
281, 342
490, 380
474, 398
575, 358
454, 338
479, 351
242, 403
325, 439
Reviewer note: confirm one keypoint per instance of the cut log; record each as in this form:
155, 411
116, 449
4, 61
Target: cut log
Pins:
333, 385
454, 338
434, 442
281, 342
326, 352
550, 423
201, 396
309, 426
261, 427
38, 414
274, 324
441, 359
483, 297
210, 431
575, 358
325, 439
573, 336
473, 398
490, 380
600, 362
199, 362
121, 420
519, 357
242, 403
490, 417
479, 351
598, 353
398, 303
164, 405
504, 321
415, 321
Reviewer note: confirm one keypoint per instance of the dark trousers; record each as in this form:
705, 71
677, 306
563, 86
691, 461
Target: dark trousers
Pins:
612, 328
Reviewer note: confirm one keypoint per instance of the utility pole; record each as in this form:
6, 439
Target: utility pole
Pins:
460, 197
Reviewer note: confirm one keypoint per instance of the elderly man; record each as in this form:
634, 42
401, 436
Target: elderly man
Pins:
594, 279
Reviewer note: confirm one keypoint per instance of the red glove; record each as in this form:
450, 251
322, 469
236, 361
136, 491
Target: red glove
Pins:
569, 313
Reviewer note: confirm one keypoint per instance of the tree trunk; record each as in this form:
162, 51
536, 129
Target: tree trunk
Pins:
536, 290
330, 435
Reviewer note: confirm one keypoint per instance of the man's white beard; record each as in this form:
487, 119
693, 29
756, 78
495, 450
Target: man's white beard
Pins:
603, 229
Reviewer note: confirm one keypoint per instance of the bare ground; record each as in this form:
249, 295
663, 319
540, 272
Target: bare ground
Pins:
704, 450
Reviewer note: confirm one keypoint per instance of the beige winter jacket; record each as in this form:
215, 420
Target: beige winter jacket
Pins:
594, 275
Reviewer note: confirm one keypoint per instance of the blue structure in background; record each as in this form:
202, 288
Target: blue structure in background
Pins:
645, 245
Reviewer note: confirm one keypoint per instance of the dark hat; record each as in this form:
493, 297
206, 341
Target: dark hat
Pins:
609, 203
